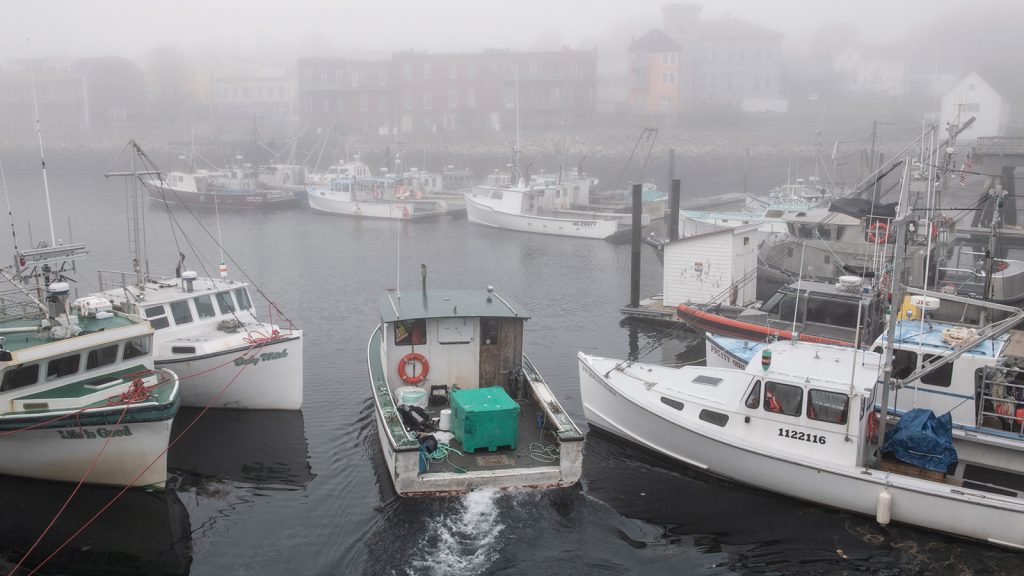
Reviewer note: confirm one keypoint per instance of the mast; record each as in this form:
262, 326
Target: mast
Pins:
42, 157
900, 223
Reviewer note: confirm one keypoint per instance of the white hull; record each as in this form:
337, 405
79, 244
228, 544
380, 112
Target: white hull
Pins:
628, 409
331, 203
581, 227
264, 378
65, 454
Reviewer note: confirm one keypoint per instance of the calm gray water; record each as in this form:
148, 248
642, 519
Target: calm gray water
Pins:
307, 493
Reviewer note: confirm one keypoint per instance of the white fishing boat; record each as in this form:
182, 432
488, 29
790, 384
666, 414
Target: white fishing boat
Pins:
560, 209
458, 404
80, 399
388, 197
799, 427
208, 330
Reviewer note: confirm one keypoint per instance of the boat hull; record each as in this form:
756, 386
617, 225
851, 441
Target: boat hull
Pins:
581, 227
932, 505
702, 321
44, 447
267, 377
328, 203
234, 199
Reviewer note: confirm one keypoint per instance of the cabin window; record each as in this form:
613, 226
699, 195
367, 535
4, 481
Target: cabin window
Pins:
410, 332
707, 380
101, 357
754, 398
712, 417
825, 232
224, 303
243, 299
204, 306
772, 305
789, 306
62, 366
157, 316
783, 398
828, 259
941, 376
831, 311
181, 312
19, 376
672, 402
789, 252
827, 406
773, 213
489, 329
135, 348
904, 363
183, 349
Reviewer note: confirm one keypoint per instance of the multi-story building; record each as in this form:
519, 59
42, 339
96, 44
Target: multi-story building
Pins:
423, 92
878, 70
261, 92
654, 64
724, 62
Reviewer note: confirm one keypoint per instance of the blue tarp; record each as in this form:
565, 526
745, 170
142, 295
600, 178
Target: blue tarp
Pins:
922, 439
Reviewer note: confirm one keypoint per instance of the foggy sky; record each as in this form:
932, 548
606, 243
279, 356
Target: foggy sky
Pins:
295, 28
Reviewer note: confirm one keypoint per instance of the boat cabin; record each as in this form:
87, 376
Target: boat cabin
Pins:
822, 308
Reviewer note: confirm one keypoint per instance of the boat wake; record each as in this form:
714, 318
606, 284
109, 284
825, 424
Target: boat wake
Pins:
465, 541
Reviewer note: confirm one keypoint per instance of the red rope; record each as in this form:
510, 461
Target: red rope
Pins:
139, 475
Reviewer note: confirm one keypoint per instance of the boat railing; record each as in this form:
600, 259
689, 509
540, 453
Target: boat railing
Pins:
1002, 401
14, 305
107, 281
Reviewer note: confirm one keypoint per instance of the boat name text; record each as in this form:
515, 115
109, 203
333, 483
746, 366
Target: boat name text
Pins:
83, 434
264, 357
798, 435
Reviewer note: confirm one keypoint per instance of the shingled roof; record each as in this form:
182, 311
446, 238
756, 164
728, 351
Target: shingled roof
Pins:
654, 41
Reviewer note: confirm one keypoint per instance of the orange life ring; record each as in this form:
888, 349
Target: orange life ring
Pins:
409, 359
878, 232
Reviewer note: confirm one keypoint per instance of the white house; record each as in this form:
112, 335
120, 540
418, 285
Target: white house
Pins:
973, 96
872, 71
702, 268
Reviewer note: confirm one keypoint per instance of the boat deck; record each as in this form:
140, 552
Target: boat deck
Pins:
24, 340
531, 443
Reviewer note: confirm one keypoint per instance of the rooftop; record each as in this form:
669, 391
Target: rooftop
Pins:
448, 304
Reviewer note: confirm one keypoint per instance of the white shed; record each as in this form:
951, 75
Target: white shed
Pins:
702, 268
973, 96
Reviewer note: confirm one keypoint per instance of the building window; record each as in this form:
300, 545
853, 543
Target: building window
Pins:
426, 71
408, 101
471, 70
668, 78
453, 98
382, 77
972, 107
669, 58
471, 98
364, 102
383, 104
354, 77
427, 104
408, 71
453, 70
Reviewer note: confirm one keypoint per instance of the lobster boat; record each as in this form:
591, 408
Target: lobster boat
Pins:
458, 404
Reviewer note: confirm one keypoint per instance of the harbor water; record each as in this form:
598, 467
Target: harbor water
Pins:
308, 493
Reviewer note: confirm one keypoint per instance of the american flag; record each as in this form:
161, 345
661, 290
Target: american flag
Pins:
965, 169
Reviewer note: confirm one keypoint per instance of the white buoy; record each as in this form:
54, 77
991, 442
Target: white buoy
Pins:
445, 422
884, 512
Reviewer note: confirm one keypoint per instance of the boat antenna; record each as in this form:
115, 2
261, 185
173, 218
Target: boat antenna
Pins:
516, 152
10, 213
39, 133
799, 281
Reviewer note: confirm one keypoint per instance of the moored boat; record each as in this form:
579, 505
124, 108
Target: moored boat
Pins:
458, 404
80, 399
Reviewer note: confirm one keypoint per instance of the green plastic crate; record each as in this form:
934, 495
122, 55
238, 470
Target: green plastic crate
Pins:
484, 418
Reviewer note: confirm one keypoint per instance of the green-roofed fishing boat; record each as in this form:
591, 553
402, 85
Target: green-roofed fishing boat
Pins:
459, 405
79, 398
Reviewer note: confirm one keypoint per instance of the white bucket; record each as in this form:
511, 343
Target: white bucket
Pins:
411, 395
446, 419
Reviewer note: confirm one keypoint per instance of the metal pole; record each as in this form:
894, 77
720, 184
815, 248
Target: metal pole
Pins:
634, 268
673, 210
